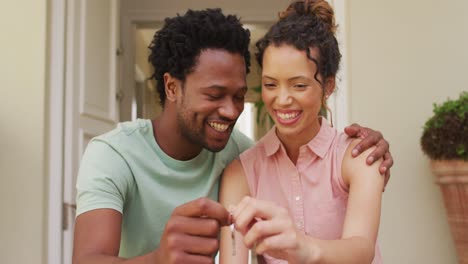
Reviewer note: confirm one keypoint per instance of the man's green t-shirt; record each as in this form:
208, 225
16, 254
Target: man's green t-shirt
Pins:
127, 171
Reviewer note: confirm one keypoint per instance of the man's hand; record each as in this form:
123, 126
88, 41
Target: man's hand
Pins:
191, 233
372, 138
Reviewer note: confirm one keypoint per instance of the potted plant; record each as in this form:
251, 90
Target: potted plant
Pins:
445, 142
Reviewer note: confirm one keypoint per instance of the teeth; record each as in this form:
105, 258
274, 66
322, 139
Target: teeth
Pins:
219, 127
288, 115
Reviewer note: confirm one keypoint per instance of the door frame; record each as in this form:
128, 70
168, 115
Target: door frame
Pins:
339, 101
55, 127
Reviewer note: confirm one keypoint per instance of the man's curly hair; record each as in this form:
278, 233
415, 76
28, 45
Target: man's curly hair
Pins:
176, 47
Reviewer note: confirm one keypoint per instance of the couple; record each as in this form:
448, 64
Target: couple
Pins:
147, 190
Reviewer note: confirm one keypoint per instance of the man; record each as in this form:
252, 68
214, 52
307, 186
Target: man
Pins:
147, 190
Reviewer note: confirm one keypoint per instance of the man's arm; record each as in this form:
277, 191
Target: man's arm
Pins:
190, 236
97, 239
102, 185
186, 239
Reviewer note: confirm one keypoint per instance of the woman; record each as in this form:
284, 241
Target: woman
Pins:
300, 196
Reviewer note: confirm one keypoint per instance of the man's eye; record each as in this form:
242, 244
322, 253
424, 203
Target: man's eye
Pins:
240, 97
214, 96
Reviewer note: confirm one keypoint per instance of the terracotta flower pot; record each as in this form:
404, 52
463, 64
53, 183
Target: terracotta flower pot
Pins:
452, 177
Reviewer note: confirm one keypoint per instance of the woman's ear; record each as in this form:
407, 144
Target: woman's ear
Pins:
170, 87
329, 86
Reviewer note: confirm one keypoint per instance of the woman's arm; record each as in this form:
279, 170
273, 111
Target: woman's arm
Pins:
233, 188
361, 225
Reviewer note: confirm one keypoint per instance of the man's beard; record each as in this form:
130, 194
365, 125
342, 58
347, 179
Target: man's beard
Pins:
187, 122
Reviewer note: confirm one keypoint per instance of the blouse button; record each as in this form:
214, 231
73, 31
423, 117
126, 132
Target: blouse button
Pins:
299, 224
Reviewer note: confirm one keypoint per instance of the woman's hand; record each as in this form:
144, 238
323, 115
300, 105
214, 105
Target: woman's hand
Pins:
271, 230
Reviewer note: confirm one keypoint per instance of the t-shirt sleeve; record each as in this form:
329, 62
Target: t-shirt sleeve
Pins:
242, 141
102, 179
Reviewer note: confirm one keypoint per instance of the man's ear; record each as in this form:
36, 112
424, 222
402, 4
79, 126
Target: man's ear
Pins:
329, 86
171, 86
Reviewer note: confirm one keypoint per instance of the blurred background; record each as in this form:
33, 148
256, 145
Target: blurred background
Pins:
72, 69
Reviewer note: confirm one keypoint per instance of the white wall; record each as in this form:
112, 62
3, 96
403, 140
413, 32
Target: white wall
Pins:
403, 56
22, 92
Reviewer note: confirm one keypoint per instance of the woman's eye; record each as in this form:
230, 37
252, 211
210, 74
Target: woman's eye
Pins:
300, 85
269, 85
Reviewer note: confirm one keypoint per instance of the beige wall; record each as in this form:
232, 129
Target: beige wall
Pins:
22, 89
405, 55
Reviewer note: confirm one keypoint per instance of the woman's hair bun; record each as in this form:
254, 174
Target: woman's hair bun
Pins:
319, 8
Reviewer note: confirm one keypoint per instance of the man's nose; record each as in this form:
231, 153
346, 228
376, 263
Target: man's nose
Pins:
230, 109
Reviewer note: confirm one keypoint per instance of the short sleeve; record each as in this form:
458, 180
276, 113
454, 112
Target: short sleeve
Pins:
242, 141
103, 178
